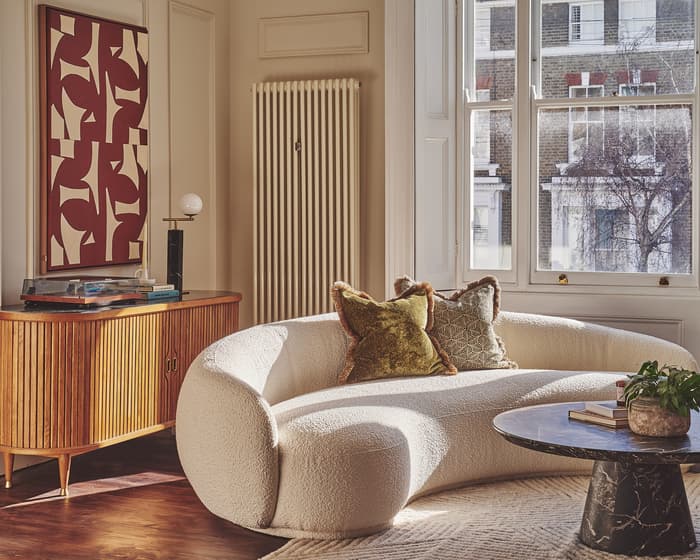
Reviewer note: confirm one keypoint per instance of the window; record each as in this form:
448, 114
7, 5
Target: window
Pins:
482, 31
482, 131
607, 227
481, 226
638, 124
586, 126
601, 179
490, 120
586, 23
637, 21
637, 89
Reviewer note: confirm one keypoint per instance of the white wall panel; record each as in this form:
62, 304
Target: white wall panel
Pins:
434, 238
193, 135
314, 35
436, 54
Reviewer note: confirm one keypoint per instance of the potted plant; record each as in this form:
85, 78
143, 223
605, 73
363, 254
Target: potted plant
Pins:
660, 399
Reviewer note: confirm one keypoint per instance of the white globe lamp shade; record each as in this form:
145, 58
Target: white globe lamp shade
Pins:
191, 204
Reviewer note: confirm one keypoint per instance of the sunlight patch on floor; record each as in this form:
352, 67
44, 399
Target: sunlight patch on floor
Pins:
90, 487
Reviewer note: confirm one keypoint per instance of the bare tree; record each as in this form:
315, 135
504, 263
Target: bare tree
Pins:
640, 170
649, 191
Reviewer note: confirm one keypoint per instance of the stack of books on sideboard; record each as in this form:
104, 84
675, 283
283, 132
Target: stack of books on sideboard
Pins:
152, 291
604, 413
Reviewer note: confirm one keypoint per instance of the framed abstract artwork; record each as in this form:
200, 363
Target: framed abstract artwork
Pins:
94, 140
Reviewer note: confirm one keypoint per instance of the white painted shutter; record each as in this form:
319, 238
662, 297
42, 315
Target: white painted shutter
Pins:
435, 94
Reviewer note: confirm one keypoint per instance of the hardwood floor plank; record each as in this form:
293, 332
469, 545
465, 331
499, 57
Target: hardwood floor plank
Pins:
120, 510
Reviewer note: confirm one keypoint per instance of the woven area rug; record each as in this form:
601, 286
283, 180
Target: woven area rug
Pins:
515, 520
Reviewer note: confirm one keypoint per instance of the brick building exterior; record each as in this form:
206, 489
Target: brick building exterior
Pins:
590, 158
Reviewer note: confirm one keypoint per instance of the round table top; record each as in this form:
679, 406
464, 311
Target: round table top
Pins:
547, 428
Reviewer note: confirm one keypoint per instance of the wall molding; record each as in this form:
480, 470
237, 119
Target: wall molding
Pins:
399, 174
314, 35
211, 192
437, 73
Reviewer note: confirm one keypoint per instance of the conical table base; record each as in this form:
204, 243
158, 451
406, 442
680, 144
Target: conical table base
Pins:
637, 509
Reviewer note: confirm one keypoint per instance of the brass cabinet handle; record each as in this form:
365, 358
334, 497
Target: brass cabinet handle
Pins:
175, 363
167, 365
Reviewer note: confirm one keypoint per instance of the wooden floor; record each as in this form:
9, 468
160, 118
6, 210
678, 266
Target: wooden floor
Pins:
128, 502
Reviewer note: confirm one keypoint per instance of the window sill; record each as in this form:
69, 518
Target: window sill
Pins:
580, 289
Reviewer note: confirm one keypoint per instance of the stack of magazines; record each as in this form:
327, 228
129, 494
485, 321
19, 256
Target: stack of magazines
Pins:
605, 413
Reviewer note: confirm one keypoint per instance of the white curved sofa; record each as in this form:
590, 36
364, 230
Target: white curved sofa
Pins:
270, 442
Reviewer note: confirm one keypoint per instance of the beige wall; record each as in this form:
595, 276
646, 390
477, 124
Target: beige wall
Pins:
247, 68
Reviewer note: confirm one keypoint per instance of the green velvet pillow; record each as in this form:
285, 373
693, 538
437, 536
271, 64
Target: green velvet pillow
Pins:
391, 338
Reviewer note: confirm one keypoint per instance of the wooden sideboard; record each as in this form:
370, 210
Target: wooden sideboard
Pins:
72, 381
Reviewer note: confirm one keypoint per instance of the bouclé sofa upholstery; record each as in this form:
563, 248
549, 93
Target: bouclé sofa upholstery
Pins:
269, 441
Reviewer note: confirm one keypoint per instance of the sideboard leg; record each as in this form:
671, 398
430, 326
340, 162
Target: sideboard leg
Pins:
64, 472
9, 460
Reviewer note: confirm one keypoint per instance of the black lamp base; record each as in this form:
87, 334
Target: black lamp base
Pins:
175, 244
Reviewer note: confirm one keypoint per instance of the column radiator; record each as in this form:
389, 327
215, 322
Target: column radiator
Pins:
306, 181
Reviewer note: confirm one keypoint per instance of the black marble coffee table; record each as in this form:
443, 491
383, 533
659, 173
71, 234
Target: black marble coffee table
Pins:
636, 500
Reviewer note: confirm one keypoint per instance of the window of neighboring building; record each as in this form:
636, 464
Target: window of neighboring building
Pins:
608, 226
586, 125
481, 226
637, 88
638, 124
586, 23
482, 28
637, 21
482, 130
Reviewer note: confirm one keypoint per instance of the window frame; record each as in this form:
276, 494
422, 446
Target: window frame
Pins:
587, 121
467, 104
526, 105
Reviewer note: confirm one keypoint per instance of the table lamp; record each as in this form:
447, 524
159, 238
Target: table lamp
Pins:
190, 206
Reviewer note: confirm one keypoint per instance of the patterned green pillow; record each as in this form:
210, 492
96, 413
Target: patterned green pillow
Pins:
391, 338
463, 324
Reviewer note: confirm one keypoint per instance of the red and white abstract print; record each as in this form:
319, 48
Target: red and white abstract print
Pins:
95, 135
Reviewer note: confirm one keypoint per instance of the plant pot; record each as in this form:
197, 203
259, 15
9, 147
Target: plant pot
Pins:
648, 418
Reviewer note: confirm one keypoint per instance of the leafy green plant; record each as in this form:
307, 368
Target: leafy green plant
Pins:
678, 390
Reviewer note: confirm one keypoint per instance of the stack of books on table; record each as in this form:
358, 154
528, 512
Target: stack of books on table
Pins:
604, 413
158, 291
151, 291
